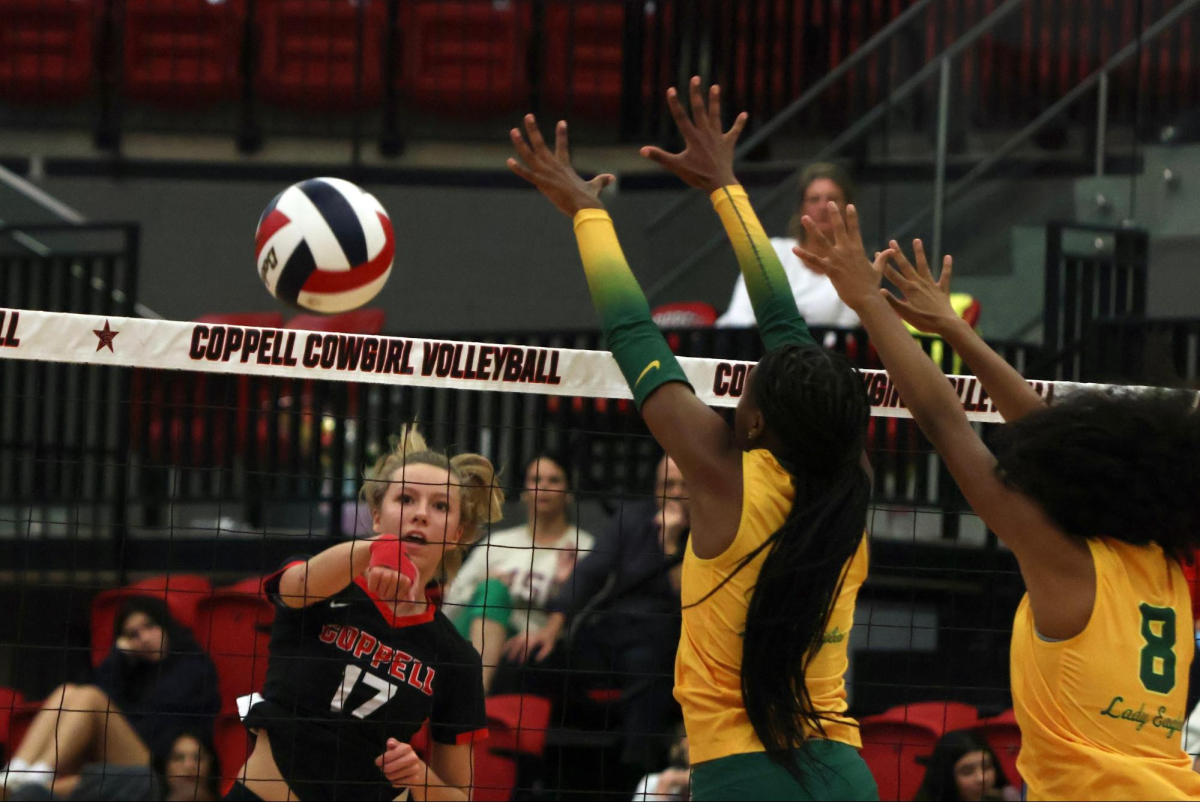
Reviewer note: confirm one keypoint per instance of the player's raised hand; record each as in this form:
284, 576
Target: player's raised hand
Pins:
926, 303
855, 277
402, 766
551, 171
706, 161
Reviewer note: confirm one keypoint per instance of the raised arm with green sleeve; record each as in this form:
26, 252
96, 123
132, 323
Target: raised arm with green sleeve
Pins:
636, 342
779, 319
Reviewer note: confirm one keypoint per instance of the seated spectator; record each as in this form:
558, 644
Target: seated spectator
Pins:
155, 684
964, 767
191, 770
189, 773
498, 599
672, 783
815, 296
622, 605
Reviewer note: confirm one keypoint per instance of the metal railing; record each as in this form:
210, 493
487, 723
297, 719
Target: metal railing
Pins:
1166, 17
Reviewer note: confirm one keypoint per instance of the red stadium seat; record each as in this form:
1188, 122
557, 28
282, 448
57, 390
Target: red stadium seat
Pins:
895, 739
938, 717
182, 52
182, 592
1004, 736
495, 776
10, 699
232, 742
467, 56
310, 52
234, 627
891, 750
45, 50
517, 724
20, 717
360, 321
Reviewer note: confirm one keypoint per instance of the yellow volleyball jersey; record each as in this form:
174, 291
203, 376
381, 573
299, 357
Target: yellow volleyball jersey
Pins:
708, 666
1101, 713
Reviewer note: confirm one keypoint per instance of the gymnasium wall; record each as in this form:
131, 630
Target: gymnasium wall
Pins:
480, 259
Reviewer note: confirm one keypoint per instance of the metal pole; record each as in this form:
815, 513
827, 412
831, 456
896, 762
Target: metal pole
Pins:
1101, 122
939, 181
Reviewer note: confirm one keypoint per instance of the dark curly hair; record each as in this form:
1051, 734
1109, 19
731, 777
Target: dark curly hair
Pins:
1123, 465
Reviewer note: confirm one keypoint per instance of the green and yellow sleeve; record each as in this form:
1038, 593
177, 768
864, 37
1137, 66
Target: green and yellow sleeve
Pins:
779, 320
641, 351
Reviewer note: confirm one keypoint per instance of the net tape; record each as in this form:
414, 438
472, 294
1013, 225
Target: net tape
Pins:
209, 348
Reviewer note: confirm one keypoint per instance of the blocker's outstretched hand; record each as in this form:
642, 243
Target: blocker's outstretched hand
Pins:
551, 171
706, 161
855, 277
926, 303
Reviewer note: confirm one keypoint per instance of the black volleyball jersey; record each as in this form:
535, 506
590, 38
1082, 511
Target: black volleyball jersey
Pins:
345, 675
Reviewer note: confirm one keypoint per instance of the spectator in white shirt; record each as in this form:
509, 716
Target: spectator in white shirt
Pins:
815, 296
498, 599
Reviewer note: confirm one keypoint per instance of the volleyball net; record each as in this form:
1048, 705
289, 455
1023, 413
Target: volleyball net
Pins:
186, 461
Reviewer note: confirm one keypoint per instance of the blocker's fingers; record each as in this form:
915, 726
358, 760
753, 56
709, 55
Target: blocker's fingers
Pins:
815, 235
900, 306
677, 112
602, 181
852, 223
947, 271
738, 125
520, 170
521, 146
561, 149
810, 258
660, 156
696, 98
905, 266
535, 135
897, 278
714, 107
922, 262
881, 261
839, 224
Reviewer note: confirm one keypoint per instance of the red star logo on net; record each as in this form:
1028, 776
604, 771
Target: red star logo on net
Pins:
106, 336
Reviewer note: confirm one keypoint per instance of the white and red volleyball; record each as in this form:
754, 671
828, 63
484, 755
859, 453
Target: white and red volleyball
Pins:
324, 245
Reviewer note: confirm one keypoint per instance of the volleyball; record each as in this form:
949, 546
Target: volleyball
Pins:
324, 245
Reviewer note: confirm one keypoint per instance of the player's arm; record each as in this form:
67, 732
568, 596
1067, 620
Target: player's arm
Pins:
1057, 567
706, 163
447, 776
926, 306
329, 573
695, 436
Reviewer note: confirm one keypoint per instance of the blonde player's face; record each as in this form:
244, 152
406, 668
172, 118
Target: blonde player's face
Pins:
422, 507
975, 775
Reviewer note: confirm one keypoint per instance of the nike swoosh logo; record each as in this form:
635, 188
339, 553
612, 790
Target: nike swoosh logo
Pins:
339, 604
652, 366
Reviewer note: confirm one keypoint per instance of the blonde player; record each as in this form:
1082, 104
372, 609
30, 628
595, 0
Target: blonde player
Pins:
1098, 497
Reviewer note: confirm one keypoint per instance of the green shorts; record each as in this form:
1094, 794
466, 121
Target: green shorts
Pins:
836, 771
492, 601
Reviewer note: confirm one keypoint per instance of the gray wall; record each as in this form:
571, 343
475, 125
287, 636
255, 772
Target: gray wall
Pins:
495, 259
